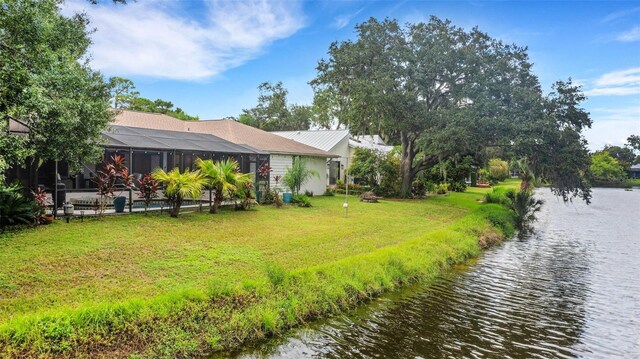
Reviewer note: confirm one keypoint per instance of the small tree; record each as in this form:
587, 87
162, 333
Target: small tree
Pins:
298, 175
179, 186
498, 169
148, 190
606, 168
224, 178
366, 166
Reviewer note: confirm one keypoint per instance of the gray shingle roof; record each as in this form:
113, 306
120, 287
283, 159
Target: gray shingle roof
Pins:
146, 138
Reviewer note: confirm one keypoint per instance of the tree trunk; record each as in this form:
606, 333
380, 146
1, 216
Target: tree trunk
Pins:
176, 208
406, 164
217, 200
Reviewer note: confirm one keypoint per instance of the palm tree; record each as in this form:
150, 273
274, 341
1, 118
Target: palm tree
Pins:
526, 174
223, 178
179, 186
524, 206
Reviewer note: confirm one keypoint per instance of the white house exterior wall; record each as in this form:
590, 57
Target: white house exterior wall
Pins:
341, 149
281, 163
317, 185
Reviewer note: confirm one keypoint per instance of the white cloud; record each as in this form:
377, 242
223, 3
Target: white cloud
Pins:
620, 14
617, 83
614, 91
151, 39
612, 126
630, 36
341, 21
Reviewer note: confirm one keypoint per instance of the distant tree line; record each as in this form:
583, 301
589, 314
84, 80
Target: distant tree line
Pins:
124, 96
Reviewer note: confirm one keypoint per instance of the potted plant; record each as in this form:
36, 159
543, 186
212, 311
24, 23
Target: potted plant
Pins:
115, 176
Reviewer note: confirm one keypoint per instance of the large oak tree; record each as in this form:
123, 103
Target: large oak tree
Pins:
434, 88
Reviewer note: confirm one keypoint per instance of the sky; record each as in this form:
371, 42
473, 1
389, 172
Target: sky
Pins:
208, 57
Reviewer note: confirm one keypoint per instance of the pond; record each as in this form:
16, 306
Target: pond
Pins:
571, 289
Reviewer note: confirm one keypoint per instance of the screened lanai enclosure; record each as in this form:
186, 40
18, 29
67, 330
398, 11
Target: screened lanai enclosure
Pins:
143, 150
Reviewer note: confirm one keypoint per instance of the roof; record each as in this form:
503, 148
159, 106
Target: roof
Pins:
229, 130
370, 142
323, 139
131, 137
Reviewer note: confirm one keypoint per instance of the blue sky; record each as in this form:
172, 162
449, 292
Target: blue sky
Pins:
208, 57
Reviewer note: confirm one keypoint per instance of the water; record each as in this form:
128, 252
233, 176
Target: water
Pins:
570, 290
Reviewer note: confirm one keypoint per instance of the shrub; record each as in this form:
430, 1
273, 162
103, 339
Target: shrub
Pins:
457, 186
301, 200
418, 189
498, 195
15, 209
269, 197
498, 170
114, 176
148, 190
442, 188
329, 192
308, 193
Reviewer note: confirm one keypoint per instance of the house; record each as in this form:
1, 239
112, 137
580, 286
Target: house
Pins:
340, 144
634, 171
281, 151
144, 150
335, 142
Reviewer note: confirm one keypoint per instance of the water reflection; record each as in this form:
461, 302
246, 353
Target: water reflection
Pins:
572, 289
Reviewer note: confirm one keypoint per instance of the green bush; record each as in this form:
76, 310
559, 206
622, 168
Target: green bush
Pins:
301, 200
500, 217
442, 188
457, 186
498, 170
15, 209
499, 195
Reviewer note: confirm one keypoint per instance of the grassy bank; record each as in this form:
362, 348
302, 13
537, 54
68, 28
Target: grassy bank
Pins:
627, 183
161, 287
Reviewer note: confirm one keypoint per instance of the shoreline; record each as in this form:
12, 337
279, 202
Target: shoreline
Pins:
224, 317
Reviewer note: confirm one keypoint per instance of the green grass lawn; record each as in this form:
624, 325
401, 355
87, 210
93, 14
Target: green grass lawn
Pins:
58, 271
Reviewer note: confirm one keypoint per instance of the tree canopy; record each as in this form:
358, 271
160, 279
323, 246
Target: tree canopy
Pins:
124, 96
47, 84
605, 167
274, 113
440, 91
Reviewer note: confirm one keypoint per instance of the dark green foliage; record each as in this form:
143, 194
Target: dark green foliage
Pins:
366, 166
48, 85
273, 113
498, 195
301, 200
268, 197
524, 207
15, 209
418, 189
